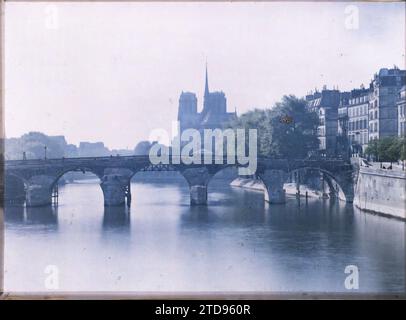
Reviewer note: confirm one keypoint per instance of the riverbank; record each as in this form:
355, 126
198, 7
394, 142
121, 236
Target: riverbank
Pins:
381, 191
377, 191
290, 188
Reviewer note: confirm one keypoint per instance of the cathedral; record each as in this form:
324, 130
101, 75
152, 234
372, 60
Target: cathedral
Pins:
214, 114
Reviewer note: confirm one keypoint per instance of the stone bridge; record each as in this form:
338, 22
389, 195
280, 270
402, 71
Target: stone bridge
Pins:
38, 178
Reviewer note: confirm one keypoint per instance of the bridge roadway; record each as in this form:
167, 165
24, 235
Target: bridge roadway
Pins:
37, 178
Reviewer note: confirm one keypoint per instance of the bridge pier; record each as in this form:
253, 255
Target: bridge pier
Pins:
39, 191
198, 195
198, 179
14, 191
115, 190
346, 182
273, 181
39, 176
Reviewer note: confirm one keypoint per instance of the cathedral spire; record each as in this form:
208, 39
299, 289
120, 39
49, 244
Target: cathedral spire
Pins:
206, 88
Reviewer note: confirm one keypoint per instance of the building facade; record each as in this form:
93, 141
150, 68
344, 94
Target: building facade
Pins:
373, 113
342, 126
401, 105
325, 104
383, 110
358, 121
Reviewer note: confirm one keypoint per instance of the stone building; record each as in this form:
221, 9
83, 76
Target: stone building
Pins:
213, 115
401, 105
383, 109
325, 104
342, 126
358, 121
92, 149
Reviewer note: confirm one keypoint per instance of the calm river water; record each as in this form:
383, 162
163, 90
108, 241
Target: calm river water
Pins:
236, 243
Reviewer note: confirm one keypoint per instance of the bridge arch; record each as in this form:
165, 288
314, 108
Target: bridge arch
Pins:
82, 169
343, 181
158, 186
59, 191
115, 174
14, 189
225, 175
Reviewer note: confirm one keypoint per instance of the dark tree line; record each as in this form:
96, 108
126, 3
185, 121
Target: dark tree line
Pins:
388, 149
288, 130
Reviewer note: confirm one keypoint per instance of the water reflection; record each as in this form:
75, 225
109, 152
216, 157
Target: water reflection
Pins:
14, 214
116, 218
236, 243
47, 215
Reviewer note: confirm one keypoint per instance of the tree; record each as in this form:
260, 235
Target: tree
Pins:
403, 148
394, 150
288, 130
372, 149
388, 149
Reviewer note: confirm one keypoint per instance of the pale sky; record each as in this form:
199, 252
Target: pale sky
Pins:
113, 72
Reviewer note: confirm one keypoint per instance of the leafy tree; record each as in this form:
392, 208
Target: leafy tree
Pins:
388, 149
394, 151
372, 149
403, 149
288, 130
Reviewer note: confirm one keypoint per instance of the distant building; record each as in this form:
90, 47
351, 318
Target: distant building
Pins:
325, 104
59, 140
92, 149
383, 109
213, 115
401, 104
188, 116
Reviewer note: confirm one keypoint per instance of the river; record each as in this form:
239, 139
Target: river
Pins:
238, 243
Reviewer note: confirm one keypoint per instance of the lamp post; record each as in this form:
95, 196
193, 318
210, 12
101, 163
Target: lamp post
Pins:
45, 152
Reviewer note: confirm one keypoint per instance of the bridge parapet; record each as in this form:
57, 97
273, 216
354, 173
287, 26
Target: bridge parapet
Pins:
115, 173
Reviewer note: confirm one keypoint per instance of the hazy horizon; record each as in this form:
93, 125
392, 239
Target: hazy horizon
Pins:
113, 72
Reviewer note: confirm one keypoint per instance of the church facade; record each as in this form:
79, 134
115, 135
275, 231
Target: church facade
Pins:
214, 114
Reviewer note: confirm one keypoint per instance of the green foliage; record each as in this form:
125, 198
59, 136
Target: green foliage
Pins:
403, 149
388, 149
372, 149
287, 130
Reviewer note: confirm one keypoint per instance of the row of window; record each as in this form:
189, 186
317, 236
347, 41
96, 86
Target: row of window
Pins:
374, 104
373, 115
402, 111
358, 111
358, 100
361, 138
373, 127
358, 125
